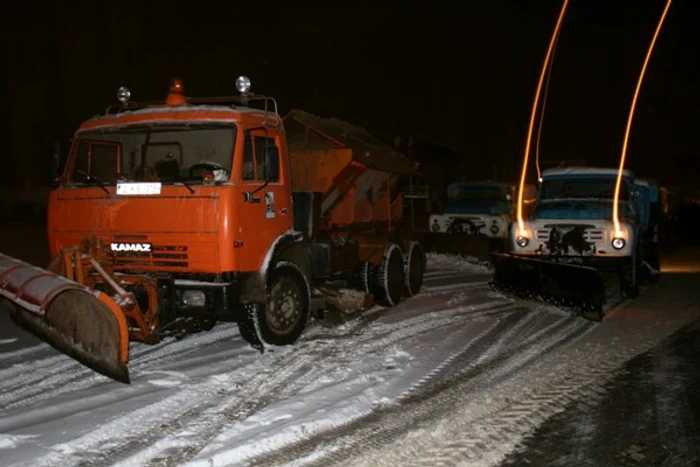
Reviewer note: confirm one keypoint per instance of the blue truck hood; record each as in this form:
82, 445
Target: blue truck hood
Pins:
493, 208
579, 209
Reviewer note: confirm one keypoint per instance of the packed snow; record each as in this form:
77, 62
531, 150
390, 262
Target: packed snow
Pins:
346, 389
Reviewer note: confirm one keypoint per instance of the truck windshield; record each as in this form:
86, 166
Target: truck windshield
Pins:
466, 194
584, 188
168, 153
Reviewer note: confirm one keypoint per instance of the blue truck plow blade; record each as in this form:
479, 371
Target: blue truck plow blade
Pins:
579, 288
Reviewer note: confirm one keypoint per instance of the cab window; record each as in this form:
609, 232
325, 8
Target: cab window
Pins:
256, 166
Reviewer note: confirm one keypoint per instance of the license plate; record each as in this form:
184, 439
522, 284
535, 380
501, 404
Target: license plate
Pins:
138, 188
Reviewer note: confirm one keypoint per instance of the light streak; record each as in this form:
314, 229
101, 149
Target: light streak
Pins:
544, 107
521, 225
623, 156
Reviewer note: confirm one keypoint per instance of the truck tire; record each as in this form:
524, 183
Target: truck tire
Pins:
388, 278
629, 277
284, 315
361, 277
413, 269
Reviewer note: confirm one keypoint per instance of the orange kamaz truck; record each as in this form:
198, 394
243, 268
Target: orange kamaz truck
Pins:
174, 215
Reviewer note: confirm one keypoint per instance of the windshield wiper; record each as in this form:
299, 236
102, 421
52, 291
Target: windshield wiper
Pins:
182, 180
91, 180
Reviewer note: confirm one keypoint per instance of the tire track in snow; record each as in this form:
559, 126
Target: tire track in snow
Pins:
425, 406
144, 355
172, 447
454, 367
20, 354
491, 425
43, 379
375, 429
35, 384
184, 407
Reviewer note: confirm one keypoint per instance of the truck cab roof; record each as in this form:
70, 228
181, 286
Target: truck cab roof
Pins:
583, 171
165, 113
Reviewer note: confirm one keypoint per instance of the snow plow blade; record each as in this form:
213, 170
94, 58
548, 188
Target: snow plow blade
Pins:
576, 287
84, 324
477, 246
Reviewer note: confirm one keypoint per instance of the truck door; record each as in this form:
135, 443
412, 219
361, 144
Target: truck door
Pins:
266, 213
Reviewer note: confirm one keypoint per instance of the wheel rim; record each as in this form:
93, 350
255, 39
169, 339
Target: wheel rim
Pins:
284, 308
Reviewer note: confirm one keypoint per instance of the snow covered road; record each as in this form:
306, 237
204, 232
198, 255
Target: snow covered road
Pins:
388, 388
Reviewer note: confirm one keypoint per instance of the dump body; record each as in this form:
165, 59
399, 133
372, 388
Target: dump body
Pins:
354, 178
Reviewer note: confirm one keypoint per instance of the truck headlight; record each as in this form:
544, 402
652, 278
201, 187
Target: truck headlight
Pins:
435, 227
521, 241
494, 228
618, 243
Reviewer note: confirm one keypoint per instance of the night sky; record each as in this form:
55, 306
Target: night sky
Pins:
462, 76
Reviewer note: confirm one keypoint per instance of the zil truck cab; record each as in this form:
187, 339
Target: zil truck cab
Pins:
478, 208
572, 222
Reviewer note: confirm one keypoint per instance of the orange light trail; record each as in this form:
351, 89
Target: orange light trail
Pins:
544, 107
623, 156
528, 143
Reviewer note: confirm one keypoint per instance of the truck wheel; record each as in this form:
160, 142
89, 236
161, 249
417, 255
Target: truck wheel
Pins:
361, 277
388, 278
413, 269
287, 309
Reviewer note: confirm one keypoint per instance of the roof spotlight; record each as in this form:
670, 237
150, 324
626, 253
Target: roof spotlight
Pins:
123, 94
243, 84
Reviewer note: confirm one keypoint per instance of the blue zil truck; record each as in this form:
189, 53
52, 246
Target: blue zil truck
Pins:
478, 208
476, 219
570, 240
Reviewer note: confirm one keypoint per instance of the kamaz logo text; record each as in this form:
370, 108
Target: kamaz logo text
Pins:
140, 247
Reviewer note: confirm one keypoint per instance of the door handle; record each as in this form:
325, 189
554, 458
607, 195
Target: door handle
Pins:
283, 211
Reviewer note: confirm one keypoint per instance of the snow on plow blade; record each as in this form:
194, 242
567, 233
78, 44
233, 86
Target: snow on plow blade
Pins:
86, 325
571, 286
477, 246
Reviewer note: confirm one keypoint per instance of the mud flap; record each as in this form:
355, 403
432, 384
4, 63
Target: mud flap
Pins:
579, 288
86, 325
248, 326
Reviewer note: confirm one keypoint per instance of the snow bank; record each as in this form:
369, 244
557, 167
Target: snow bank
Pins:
455, 262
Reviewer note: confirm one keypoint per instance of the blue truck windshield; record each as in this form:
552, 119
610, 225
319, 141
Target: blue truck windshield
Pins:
581, 188
466, 194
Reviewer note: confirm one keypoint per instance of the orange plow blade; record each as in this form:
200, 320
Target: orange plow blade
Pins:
87, 325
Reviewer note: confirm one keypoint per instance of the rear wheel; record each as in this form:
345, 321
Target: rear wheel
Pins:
414, 268
388, 278
361, 279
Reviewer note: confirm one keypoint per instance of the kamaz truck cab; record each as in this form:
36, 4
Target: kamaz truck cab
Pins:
478, 208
